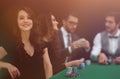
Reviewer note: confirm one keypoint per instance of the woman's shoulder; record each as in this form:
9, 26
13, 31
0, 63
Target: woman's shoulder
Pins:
44, 45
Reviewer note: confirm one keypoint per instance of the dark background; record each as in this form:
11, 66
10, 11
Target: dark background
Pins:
91, 13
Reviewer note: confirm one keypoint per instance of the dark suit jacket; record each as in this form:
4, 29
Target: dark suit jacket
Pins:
63, 52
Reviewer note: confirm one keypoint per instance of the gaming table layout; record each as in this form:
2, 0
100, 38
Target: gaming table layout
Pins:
93, 71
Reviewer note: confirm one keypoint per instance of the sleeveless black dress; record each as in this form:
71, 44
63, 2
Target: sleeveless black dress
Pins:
31, 67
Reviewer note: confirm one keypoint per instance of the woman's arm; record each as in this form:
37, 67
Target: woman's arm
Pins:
14, 72
3, 53
47, 64
74, 63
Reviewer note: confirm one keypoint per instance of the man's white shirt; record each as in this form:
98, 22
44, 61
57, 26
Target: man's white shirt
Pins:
97, 47
65, 39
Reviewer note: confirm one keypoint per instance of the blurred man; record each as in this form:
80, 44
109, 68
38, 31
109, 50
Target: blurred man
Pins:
107, 43
70, 44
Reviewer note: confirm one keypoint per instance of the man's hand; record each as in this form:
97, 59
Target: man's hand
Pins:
81, 43
103, 59
85, 44
14, 72
117, 60
75, 45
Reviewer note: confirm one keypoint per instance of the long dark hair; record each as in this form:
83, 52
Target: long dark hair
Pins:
50, 34
47, 26
36, 36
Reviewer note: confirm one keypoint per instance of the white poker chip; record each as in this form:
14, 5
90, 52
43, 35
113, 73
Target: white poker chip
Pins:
69, 70
88, 62
82, 65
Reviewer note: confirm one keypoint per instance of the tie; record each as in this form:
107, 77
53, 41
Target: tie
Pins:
69, 41
69, 44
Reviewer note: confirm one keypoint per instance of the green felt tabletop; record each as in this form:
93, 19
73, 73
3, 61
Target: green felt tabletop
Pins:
94, 71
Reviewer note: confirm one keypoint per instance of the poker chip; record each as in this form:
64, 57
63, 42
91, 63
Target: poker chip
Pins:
85, 63
88, 62
69, 70
81, 66
72, 72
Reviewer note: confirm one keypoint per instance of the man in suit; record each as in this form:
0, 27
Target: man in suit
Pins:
107, 43
70, 45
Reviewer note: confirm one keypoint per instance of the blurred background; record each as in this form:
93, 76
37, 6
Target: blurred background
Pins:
91, 13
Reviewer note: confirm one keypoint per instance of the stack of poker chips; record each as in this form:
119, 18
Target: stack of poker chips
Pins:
86, 63
72, 72
69, 71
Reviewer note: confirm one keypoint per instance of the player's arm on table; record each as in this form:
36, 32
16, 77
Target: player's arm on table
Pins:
74, 62
96, 54
117, 60
14, 72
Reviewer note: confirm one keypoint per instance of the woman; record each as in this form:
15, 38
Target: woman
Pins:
50, 27
31, 56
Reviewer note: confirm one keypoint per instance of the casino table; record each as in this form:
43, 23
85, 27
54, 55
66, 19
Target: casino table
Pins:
93, 71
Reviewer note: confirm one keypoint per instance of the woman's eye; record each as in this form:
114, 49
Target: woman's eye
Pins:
21, 18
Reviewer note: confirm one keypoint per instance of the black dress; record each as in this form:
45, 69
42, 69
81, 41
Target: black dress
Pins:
31, 67
57, 65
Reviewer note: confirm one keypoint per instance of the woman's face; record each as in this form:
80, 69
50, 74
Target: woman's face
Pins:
54, 22
25, 23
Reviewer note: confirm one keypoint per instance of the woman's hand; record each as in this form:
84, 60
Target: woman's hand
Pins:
13, 71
